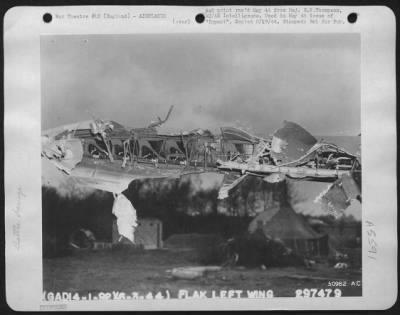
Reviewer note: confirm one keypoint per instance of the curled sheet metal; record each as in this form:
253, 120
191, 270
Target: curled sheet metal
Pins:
190, 273
236, 134
64, 154
229, 183
338, 196
290, 142
126, 217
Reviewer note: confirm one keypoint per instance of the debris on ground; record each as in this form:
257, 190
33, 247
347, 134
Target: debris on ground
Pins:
341, 265
82, 238
190, 273
310, 264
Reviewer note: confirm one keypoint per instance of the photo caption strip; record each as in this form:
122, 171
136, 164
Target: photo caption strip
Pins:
225, 16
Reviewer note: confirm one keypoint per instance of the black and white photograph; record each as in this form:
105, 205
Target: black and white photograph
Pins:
211, 165
200, 159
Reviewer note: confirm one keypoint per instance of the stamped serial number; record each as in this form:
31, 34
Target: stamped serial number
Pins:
337, 283
310, 293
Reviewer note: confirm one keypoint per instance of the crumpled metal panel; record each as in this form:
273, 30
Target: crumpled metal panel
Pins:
339, 195
64, 154
229, 183
334, 199
290, 143
126, 217
350, 186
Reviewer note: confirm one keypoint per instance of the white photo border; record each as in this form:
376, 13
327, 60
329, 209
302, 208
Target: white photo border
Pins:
23, 27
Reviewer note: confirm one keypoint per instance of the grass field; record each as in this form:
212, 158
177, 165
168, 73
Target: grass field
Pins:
132, 270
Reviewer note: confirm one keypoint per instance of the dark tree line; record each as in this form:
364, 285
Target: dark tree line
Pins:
180, 205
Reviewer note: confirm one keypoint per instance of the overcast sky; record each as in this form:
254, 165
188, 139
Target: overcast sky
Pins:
252, 80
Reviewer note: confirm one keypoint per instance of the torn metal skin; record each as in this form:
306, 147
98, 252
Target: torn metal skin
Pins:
338, 196
294, 153
104, 155
108, 156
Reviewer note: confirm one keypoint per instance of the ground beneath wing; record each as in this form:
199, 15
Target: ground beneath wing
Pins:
151, 268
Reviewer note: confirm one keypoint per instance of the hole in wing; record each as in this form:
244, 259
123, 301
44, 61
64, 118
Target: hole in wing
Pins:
290, 142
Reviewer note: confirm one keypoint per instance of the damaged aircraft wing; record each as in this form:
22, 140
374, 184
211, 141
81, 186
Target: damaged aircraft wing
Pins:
100, 154
294, 153
105, 155
68, 155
